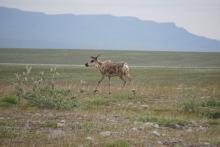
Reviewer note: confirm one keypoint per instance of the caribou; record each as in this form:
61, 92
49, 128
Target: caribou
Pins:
110, 69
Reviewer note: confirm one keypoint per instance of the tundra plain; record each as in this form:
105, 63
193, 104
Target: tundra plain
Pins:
47, 99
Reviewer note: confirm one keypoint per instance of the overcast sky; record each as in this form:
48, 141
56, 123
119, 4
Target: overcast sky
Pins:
201, 17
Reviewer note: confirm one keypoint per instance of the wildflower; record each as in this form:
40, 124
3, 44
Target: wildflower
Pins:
41, 73
28, 69
25, 79
17, 76
133, 91
82, 82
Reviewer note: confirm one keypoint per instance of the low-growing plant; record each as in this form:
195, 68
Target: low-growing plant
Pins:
189, 106
7, 132
50, 100
8, 101
211, 103
206, 108
7, 122
97, 101
118, 143
49, 124
163, 121
43, 93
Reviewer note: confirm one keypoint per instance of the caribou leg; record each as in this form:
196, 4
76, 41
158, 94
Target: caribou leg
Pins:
124, 81
109, 85
102, 78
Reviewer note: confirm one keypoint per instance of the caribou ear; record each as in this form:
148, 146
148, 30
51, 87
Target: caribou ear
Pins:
98, 55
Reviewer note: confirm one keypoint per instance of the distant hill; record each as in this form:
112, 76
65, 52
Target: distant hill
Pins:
22, 29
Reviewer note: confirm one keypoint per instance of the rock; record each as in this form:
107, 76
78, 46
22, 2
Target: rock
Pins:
56, 133
148, 124
89, 138
156, 126
163, 134
138, 123
81, 90
61, 123
207, 144
37, 114
105, 133
177, 126
134, 129
159, 142
189, 130
201, 128
144, 106
156, 133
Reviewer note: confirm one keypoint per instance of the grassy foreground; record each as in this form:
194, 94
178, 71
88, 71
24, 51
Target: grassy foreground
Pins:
161, 107
48, 106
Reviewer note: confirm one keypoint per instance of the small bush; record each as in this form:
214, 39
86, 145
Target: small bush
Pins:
207, 108
189, 106
10, 99
49, 125
99, 101
7, 122
163, 121
118, 143
7, 133
51, 101
212, 114
211, 103
43, 93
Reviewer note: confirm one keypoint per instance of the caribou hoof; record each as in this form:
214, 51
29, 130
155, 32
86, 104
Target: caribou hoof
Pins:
95, 91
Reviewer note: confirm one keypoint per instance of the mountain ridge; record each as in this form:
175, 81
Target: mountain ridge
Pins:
25, 29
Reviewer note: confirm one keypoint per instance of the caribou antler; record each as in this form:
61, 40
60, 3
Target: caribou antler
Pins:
96, 56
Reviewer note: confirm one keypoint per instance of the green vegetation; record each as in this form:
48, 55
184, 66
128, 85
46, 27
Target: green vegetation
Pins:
49, 124
209, 108
150, 58
118, 143
8, 101
56, 106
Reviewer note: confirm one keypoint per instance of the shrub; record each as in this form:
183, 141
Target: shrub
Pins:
118, 143
10, 99
7, 133
211, 103
43, 93
207, 108
49, 125
51, 100
189, 106
164, 121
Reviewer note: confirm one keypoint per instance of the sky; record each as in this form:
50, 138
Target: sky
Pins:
200, 17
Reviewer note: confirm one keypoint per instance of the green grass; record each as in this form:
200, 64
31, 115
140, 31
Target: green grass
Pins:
55, 56
118, 143
49, 124
209, 108
7, 101
169, 97
8, 133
